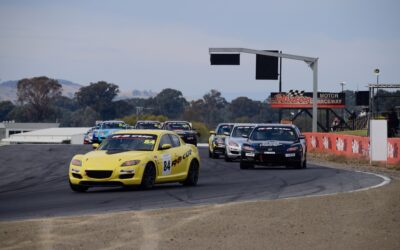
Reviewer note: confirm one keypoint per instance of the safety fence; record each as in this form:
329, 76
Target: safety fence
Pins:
349, 145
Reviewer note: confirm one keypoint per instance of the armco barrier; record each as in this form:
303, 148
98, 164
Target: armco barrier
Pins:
349, 145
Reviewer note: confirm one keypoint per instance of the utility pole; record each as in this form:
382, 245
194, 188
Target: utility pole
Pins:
343, 83
377, 73
312, 62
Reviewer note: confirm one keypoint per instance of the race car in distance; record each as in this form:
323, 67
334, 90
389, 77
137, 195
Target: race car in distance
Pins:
88, 137
148, 125
274, 144
234, 141
136, 157
183, 129
105, 128
216, 141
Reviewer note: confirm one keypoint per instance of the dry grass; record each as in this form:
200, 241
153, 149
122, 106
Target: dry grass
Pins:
342, 159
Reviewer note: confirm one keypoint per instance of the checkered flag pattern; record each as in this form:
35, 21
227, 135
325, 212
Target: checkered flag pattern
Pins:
294, 93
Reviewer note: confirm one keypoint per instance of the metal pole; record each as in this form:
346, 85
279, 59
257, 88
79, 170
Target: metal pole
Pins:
280, 84
314, 67
311, 61
342, 83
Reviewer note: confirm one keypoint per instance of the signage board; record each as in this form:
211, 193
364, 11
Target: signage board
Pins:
300, 99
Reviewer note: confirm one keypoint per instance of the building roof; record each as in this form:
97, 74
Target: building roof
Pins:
28, 125
49, 135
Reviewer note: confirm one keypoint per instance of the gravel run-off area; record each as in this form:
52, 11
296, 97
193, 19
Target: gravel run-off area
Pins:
358, 220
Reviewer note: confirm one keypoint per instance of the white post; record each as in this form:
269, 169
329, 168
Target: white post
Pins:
314, 67
378, 140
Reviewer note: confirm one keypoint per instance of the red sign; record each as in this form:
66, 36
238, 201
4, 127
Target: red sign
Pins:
294, 99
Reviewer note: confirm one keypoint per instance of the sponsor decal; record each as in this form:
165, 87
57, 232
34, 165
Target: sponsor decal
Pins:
355, 147
313, 141
390, 150
339, 144
298, 99
325, 142
166, 161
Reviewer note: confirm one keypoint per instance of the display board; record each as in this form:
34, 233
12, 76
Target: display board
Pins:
299, 99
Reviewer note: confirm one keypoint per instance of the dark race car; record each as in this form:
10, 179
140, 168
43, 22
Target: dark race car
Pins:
148, 125
183, 129
274, 144
216, 141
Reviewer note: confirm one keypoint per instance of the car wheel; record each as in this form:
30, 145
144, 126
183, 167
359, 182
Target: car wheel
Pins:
209, 153
78, 188
227, 159
305, 162
149, 176
193, 174
246, 165
214, 155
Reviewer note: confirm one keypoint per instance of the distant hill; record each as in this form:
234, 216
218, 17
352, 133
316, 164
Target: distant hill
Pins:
8, 91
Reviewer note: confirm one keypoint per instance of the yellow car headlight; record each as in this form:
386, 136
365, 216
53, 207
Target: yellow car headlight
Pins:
76, 162
130, 163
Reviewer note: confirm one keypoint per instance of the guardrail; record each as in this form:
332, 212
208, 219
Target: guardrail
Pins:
349, 145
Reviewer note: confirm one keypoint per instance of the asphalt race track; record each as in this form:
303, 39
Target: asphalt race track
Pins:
34, 184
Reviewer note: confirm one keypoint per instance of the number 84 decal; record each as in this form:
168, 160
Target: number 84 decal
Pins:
166, 163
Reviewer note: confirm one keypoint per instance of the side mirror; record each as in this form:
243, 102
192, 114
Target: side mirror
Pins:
166, 146
212, 132
245, 136
226, 133
301, 137
95, 145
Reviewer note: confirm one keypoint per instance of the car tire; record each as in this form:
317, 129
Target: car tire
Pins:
149, 176
227, 159
305, 162
78, 188
246, 165
193, 174
214, 155
209, 153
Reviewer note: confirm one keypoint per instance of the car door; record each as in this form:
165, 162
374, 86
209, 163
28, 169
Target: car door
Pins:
181, 154
167, 164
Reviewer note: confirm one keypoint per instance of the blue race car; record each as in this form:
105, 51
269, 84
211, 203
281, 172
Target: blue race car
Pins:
106, 128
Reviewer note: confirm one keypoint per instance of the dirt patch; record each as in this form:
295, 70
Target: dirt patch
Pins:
359, 220
357, 164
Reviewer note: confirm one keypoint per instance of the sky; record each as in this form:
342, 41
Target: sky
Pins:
153, 45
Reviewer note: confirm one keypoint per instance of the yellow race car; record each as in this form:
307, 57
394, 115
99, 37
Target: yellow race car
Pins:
136, 158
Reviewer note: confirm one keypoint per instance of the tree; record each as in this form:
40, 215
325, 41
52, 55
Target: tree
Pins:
169, 102
99, 97
85, 117
243, 106
123, 108
214, 105
38, 94
132, 119
5, 109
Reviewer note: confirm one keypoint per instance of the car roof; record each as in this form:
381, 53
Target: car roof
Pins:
113, 121
147, 121
245, 124
144, 131
225, 123
276, 125
176, 121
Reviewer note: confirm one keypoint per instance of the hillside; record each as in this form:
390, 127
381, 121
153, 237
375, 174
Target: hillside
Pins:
8, 91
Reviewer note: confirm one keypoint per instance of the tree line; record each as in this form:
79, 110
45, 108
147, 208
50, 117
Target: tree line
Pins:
40, 100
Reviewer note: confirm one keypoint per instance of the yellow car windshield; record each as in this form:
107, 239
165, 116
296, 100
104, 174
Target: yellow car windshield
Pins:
129, 142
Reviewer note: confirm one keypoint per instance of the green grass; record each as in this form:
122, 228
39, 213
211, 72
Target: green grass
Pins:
363, 132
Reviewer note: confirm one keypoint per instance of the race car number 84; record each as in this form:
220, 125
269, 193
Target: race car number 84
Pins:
166, 164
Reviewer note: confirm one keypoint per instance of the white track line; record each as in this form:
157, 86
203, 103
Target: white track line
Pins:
386, 180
